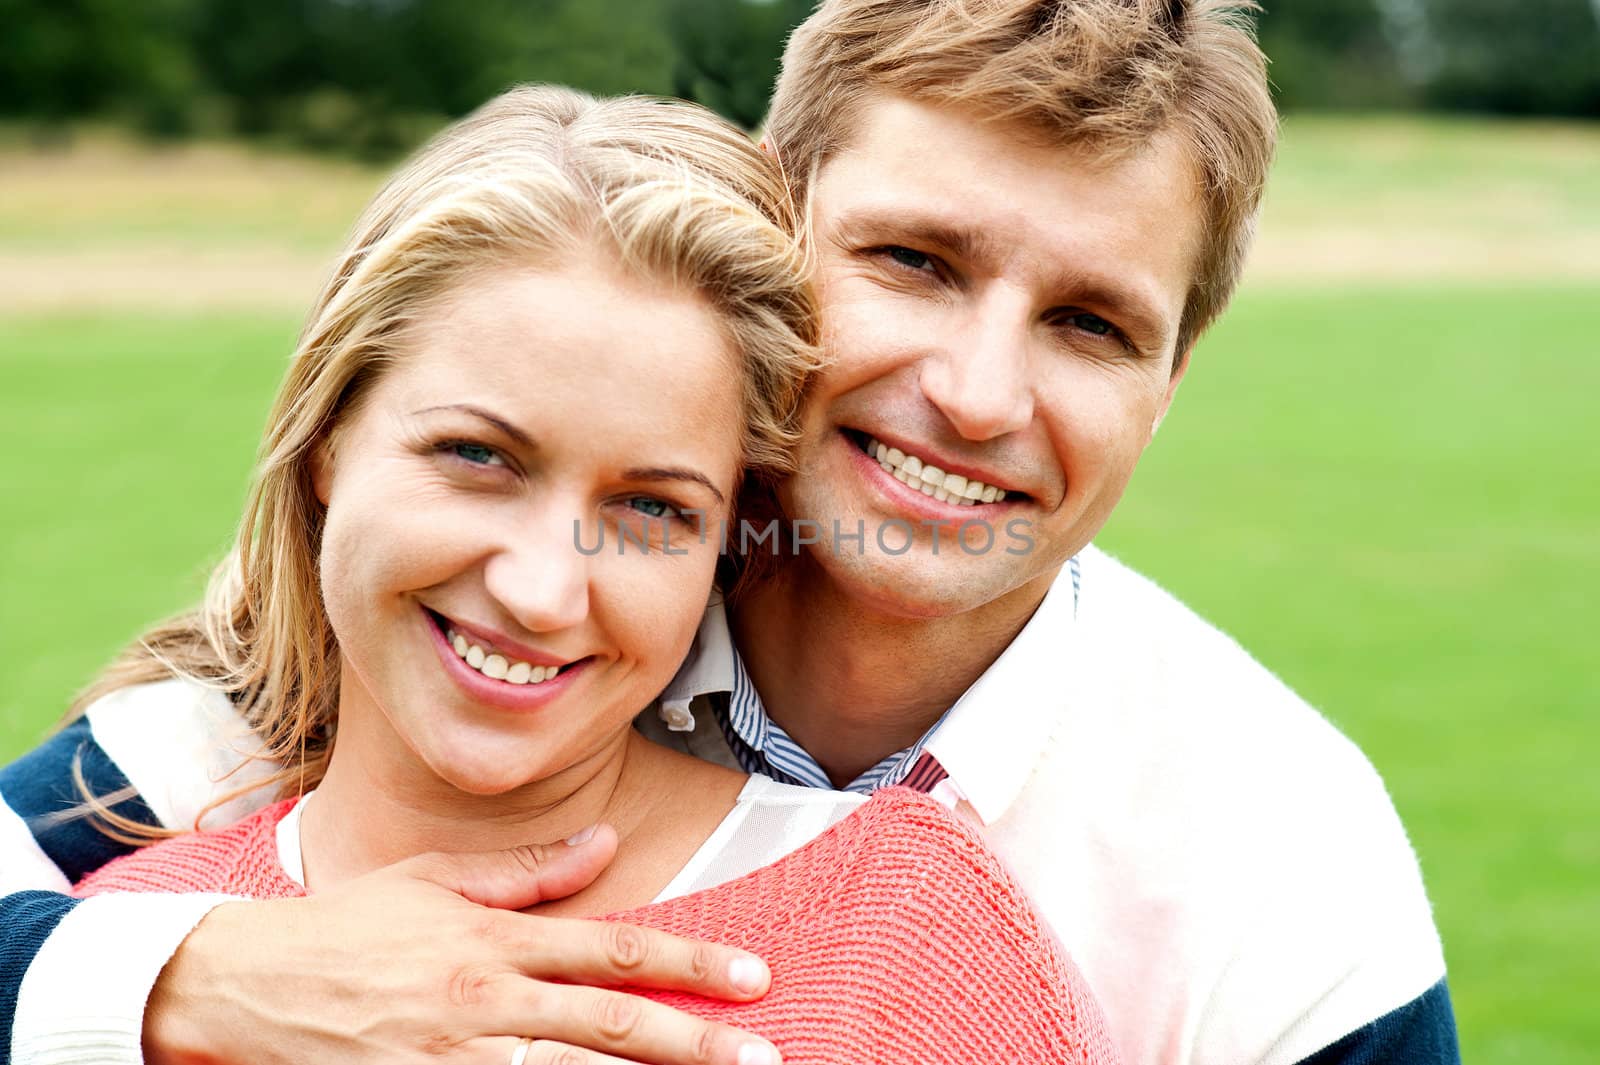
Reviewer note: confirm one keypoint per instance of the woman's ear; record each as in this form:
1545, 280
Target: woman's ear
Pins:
322, 470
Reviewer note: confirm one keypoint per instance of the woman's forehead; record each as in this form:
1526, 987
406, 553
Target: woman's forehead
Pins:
584, 350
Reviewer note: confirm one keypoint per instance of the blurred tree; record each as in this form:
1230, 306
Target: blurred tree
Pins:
373, 76
1331, 53
369, 75
726, 52
62, 59
1535, 57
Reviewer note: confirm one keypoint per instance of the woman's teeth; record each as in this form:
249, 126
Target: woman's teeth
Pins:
498, 667
931, 480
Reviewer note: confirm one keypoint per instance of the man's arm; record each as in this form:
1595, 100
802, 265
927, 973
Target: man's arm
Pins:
1422, 1032
46, 843
28, 918
426, 961
423, 961
47, 839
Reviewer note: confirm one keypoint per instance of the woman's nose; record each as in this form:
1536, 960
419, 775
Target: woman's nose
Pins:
540, 577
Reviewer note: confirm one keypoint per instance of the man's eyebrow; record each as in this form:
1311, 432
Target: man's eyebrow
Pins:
1124, 305
672, 473
511, 431
916, 228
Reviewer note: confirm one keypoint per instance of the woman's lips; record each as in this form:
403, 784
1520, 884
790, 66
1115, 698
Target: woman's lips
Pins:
491, 677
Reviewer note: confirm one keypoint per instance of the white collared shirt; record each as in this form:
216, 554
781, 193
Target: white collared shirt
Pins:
1225, 867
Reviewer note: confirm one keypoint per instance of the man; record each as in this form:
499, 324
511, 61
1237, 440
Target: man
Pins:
1025, 213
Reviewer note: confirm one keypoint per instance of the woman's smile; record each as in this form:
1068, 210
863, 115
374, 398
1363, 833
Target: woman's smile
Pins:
496, 675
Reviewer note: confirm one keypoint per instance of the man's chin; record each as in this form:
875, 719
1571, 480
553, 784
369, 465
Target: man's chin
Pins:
916, 585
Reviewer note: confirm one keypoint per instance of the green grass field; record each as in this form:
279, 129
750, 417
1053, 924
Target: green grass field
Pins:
1387, 490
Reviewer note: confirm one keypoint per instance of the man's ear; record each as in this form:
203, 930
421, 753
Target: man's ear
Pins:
322, 470
1181, 368
766, 146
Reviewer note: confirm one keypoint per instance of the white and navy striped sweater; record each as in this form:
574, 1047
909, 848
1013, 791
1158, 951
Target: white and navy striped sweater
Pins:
1225, 867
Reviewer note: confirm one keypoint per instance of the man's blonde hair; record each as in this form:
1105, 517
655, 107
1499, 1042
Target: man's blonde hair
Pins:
1104, 75
536, 176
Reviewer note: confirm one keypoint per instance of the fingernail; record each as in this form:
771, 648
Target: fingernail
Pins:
579, 839
757, 1054
747, 974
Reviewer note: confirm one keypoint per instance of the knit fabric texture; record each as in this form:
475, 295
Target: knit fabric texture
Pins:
893, 937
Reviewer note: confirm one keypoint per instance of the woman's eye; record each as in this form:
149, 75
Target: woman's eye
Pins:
651, 507
477, 454
910, 257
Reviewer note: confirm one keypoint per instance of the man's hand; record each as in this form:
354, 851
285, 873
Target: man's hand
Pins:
427, 961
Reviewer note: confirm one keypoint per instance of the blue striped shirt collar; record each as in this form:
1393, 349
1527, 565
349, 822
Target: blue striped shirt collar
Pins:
714, 668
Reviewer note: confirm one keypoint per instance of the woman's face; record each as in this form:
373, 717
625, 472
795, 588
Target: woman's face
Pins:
532, 411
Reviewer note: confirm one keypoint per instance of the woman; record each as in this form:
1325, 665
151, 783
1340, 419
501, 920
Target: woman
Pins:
571, 322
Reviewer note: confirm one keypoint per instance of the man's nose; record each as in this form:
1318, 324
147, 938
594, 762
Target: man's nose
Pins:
979, 379
539, 576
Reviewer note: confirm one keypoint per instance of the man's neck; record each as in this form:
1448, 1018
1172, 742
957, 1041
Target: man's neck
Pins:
853, 684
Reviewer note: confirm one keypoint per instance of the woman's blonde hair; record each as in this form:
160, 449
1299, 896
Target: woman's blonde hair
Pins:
536, 175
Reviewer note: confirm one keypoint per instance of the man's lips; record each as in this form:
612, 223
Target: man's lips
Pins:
926, 470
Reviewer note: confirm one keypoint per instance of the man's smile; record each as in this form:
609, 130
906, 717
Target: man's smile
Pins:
919, 468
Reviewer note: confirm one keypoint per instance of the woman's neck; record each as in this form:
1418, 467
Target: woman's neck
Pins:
373, 809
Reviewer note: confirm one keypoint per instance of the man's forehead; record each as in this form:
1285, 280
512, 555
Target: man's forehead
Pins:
878, 121
944, 156
1125, 226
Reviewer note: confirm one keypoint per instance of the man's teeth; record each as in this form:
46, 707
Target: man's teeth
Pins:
931, 480
498, 667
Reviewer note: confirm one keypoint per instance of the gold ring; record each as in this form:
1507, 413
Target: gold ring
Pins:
520, 1055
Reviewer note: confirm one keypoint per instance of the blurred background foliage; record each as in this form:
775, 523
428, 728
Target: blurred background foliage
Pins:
369, 77
1380, 476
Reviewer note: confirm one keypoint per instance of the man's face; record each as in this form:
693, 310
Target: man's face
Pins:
1003, 311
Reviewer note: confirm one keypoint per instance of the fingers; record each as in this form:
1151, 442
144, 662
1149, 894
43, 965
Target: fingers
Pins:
521, 876
609, 952
543, 1052
505, 1050
614, 1025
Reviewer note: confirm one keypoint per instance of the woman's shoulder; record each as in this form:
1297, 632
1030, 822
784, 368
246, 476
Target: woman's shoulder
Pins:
901, 829
898, 836
763, 791
899, 902
241, 859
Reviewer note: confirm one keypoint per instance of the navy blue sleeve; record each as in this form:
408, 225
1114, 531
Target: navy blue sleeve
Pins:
28, 917
40, 789
1422, 1032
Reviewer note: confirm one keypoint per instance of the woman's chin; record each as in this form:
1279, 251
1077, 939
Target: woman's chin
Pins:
484, 772
486, 781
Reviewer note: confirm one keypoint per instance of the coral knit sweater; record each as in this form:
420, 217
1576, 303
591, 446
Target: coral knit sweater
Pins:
893, 937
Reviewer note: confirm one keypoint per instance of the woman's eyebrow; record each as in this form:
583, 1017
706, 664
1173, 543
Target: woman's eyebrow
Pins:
672, 473
637, 473
495, 420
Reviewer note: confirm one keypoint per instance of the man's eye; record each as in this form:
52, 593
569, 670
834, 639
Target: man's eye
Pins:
1092, 323
477, 454
916, 260
651, 507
